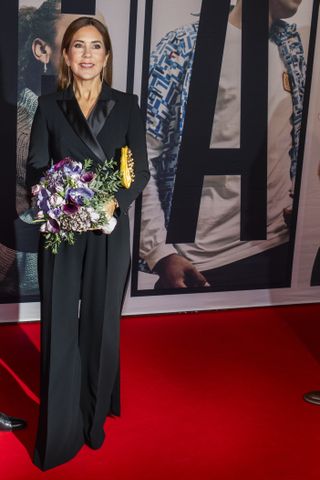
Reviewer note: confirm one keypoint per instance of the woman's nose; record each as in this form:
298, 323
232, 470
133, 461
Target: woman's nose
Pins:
87, 51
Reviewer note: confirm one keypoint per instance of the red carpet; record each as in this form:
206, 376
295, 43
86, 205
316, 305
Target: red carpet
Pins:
207, 396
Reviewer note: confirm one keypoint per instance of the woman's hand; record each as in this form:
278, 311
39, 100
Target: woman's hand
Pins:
110, 207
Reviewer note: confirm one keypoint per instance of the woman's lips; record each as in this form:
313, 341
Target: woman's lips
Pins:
86, 65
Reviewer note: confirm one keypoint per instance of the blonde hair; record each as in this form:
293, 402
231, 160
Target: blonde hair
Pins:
64, 74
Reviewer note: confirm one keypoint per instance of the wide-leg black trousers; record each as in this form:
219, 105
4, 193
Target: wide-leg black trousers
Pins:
79, 383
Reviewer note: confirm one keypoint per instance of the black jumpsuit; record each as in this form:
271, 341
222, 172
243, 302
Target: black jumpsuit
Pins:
80, 348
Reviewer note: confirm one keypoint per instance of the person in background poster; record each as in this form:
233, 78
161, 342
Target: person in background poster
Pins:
218, 258
38, 30
40, 34
36, 42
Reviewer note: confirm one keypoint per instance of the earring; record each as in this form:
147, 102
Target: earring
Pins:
45, 67
69, 75
103, 75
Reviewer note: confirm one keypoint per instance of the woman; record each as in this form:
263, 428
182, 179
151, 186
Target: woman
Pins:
80, 353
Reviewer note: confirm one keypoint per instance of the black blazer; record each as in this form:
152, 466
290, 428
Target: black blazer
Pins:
60, 130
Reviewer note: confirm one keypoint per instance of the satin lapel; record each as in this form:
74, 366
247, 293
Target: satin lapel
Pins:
74, 116
103, 108
100, 115
79, 124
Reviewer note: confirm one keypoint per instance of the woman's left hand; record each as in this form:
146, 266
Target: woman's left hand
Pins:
110, 207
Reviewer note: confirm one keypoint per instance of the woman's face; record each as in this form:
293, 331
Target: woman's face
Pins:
87, 54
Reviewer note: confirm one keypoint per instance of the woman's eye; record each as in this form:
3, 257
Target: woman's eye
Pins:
96, 46
77, 45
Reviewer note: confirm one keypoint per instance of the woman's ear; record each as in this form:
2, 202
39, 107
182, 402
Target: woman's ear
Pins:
65, 56
41, 51
106, 60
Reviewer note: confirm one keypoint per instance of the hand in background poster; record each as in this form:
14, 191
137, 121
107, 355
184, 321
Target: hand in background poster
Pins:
176, 271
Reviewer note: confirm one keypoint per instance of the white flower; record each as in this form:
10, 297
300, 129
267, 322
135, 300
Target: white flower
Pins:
59, 188
94, 216
55, 200
35, 189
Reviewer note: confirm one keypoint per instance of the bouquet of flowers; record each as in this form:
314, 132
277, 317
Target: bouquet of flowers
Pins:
71, 197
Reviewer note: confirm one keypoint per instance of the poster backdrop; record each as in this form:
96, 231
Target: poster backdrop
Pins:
230, 216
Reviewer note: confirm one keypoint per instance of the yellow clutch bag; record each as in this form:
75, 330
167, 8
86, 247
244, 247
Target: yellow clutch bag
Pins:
126, 167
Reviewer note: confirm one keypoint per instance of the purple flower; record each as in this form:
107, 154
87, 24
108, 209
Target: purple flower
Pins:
62, 162
72, 169
87, 177
70, 208
43, 194
79, 195
52, 226
54, 213
43, 200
